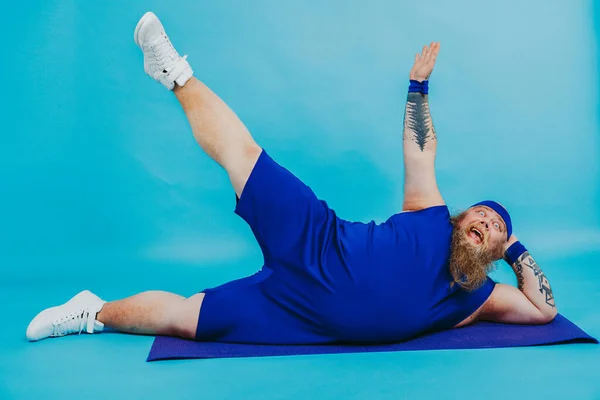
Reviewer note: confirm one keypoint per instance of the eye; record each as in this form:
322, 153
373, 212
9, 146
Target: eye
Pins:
497, 225
482, 213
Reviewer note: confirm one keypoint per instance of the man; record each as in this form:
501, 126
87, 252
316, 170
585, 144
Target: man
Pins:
325, 279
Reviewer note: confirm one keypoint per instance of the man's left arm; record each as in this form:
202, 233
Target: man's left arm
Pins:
533, 301
419, 137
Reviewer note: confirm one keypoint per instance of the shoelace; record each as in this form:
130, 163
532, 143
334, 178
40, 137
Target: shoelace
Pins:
74, 322
163, 50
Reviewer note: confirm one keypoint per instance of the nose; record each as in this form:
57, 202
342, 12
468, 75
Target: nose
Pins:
484, 223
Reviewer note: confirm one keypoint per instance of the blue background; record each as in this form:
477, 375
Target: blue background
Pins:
104, 188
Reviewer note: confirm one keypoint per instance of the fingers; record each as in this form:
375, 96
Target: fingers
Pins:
430, 52
436, 50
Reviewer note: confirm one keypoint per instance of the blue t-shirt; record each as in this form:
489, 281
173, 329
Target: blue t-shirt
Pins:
391, 281
427, 234
327, 280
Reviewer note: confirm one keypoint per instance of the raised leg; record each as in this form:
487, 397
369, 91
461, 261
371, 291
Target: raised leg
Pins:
219, 131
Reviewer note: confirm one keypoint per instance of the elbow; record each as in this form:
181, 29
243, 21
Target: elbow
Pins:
547, 316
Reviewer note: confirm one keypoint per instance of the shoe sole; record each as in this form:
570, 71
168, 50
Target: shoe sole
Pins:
143, 21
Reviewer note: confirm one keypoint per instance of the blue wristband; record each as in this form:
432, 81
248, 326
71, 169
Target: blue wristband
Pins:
514, 252
419, 87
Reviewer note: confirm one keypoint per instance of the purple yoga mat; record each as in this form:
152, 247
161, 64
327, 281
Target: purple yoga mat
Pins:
480, 335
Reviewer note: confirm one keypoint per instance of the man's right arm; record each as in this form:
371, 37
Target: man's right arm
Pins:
533, 301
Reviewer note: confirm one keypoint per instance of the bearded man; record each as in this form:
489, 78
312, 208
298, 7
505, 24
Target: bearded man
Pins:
325, 279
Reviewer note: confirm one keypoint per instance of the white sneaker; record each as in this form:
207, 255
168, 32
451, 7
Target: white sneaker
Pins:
161, 60
75, 316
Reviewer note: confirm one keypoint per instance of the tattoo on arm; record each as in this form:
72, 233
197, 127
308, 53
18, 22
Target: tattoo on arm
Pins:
520, 280
544, 285
417, 120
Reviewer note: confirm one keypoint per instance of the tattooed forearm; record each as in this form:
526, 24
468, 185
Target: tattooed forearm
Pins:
519, 272
418, 126
543, 285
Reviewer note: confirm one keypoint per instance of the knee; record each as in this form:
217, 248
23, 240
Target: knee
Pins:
183, 329
236, 158
240, 164
184, 318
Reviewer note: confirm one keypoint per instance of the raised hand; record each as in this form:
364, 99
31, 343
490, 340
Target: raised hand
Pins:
424, 62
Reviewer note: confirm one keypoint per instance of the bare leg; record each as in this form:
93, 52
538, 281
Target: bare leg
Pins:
219, 131
225, 139
154, 313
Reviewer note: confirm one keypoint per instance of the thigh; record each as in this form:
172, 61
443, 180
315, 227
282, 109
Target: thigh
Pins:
242, 313
291, 225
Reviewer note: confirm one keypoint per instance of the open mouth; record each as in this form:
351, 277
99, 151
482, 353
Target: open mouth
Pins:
476, 235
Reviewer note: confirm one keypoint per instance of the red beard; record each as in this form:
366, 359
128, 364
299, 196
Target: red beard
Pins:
469, 263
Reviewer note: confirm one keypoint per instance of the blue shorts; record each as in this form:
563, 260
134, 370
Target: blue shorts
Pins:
277, 305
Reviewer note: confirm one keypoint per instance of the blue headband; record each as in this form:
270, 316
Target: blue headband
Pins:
501, 211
